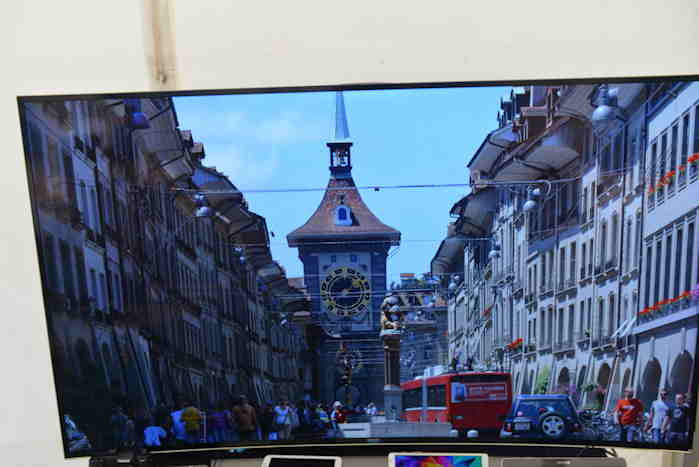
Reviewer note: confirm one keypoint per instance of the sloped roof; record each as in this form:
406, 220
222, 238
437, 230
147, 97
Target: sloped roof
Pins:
322, 223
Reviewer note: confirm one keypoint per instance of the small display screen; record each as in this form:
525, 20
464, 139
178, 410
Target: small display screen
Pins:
300, 462
437, 461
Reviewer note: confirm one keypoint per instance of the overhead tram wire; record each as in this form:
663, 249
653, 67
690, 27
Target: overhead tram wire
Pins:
324, 189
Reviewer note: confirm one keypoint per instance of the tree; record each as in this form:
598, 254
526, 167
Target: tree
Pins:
542, 381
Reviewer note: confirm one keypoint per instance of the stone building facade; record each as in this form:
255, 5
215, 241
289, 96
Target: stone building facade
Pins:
557, 293
146, 302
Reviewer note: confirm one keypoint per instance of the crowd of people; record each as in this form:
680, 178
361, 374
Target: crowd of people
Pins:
243, 420
668, 422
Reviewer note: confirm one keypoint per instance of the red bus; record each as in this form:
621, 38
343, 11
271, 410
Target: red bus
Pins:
467, 400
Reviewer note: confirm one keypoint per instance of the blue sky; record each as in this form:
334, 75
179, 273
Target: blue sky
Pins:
419, 136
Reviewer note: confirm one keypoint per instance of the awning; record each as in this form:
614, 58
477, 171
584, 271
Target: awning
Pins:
543, 156
447, 257
167, 146
475, 212
494, 144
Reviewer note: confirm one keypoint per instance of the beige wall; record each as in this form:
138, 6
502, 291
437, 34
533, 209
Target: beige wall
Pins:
81, 46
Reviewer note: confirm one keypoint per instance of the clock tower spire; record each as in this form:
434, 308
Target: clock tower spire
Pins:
340, 155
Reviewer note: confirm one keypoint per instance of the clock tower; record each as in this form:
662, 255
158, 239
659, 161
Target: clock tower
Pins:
344, 247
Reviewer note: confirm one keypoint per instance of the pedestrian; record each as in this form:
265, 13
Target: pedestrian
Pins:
118, 424
130, 433
154, 435
283, 419
231, 426
337, 417
678, 421
192, 418
371, 409
246, 419
658, 412
267, 426
178, 429
627, 413
141, 421
295, 419
217, 425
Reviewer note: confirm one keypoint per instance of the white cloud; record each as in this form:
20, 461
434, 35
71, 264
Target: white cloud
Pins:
244, 169
247, 147
288, 127
284, 127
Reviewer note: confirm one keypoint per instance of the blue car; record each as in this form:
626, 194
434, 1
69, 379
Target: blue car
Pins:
547, 416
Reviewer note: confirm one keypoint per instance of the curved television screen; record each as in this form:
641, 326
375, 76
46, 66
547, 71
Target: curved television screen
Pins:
502, 263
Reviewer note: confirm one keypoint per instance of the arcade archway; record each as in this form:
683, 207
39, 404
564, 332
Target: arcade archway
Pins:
650, 382
681, 373
563, 382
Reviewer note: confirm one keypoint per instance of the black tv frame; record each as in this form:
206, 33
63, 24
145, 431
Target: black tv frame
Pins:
370, 447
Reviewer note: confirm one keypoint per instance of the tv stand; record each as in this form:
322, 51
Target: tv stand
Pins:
205, 457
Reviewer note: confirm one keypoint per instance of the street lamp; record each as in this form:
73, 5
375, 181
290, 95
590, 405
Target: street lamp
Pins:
608, 110
533, 194
203, 207
494, 252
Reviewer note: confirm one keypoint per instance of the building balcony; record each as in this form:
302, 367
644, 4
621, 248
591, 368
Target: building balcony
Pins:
582, 337
545, 288
660, 311
529, 348
563, 346
583, 274
610, 265
517, 287
606, 341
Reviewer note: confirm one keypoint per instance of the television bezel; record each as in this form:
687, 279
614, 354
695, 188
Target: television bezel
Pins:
347, 446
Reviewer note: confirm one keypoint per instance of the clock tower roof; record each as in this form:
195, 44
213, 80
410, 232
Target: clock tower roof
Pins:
361, 222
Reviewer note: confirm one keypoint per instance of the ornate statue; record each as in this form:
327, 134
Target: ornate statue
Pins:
392, 316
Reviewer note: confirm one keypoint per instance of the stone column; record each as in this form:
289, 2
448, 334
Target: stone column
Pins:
393, 403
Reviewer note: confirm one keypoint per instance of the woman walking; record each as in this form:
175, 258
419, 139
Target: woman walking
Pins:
283, 419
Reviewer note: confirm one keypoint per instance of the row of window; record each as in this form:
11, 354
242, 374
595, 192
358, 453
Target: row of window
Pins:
75, 280
669, 269
669, 156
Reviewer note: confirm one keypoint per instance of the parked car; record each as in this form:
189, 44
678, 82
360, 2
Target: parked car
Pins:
549, 416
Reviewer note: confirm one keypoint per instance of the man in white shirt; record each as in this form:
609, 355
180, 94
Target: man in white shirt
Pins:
658, 412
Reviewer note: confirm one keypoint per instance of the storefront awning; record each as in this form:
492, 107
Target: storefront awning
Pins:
475, 212
545, 155
494, 144
168, 148
449, 256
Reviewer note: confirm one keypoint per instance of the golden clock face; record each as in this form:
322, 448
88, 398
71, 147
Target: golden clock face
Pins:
345, 292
